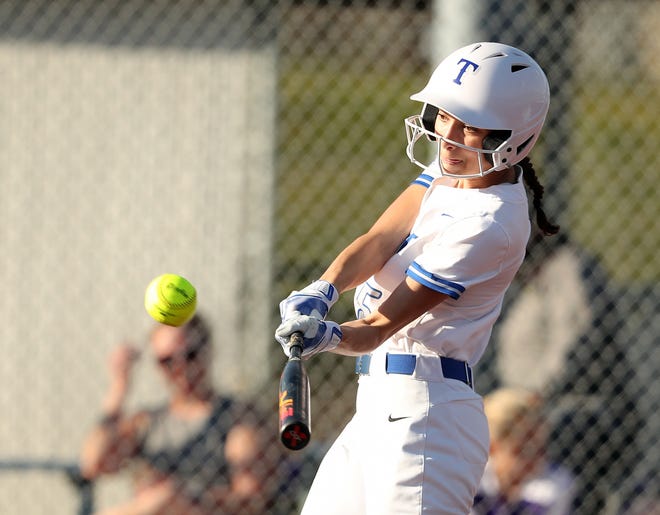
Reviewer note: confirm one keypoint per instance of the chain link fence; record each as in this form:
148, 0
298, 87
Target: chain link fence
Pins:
243, 144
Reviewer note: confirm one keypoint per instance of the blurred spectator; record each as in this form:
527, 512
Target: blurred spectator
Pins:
644, 501
198, 453
640, 307
518, 479
560, 335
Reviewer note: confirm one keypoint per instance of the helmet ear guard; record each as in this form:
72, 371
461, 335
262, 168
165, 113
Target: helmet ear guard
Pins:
429, 114
493, 141
508, 155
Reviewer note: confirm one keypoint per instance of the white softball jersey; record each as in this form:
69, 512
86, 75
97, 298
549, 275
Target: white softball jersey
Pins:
418, 442
468, 244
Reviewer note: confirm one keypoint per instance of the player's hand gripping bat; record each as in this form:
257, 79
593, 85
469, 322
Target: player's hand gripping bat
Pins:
295, 399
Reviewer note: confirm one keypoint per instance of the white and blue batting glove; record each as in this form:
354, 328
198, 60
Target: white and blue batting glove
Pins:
314, 300
318, 335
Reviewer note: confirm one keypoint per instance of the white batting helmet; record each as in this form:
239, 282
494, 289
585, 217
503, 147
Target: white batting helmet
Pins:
487, 86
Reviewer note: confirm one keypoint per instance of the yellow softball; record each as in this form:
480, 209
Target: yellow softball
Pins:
170, 299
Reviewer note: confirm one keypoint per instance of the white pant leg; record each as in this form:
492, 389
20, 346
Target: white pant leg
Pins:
337, 488
456, 451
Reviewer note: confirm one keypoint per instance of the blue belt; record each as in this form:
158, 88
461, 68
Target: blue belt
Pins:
405, 364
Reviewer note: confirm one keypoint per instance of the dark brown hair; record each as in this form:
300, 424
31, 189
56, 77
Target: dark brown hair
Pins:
532, 181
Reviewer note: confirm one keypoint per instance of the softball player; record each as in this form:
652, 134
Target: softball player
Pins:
430, 276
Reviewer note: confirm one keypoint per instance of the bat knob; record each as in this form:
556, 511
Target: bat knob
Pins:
295, 436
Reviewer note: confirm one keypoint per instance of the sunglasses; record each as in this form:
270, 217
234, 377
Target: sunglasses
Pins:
188, 356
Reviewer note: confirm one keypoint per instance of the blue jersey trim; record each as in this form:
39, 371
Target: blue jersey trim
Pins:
434, 282
424, 179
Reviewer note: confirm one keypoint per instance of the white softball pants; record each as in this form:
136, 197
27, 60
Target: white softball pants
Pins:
413, 447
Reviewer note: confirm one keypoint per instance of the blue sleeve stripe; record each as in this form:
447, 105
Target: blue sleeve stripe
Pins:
424, 179
434, 282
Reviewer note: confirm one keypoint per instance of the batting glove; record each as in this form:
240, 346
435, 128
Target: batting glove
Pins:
314, 300
318, 335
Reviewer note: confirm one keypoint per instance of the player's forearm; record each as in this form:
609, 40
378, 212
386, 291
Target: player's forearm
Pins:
359, 261
406, 303
359, 337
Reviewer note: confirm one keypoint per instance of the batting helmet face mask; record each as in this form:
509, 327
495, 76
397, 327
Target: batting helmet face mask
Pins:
488, 86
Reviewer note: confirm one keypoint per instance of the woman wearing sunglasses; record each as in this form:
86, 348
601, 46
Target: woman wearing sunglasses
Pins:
193, 454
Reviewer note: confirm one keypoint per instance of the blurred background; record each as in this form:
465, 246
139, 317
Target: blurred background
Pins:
242, 144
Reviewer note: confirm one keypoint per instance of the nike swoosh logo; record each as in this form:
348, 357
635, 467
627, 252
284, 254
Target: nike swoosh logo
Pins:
394, 419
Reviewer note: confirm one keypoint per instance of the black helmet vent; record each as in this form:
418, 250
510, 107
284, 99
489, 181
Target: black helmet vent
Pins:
522, 146
517, 67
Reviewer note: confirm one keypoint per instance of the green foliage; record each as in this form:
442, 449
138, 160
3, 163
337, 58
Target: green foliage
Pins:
341, 159
614, 194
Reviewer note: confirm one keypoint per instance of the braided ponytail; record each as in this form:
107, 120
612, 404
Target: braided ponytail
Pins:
532, 181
